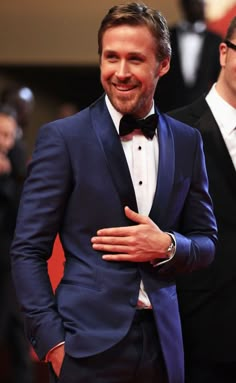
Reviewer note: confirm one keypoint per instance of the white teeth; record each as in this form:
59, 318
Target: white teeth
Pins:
123, 89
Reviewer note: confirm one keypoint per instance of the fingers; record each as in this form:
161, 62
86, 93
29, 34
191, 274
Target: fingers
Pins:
135, 217
120, 257
111, 248
112, 240
125, 230
128, 243
108, 244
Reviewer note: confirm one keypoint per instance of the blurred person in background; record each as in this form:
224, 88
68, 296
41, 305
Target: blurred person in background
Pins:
14, 348
22, 99
207, 298
195, 60
8, 132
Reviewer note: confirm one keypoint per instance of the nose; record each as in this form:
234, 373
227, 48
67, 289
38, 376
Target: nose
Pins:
122, 71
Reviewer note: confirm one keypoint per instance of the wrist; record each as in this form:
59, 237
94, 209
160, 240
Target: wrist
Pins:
171, 249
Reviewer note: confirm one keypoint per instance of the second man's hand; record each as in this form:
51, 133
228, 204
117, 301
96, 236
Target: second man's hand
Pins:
142, 242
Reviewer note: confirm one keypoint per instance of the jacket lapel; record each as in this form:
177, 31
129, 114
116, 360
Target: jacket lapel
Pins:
113, 153
165, 171
215, 145
116, 161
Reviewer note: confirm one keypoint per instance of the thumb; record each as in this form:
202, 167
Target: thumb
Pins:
133, 216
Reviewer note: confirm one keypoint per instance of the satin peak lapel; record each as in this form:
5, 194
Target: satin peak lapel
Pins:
165, 171
215, 144
113, 152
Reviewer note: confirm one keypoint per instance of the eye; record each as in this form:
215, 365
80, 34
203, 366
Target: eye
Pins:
136, 59
111, 56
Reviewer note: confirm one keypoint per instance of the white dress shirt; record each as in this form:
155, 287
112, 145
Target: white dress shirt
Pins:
190, 42
225, 116
142, 155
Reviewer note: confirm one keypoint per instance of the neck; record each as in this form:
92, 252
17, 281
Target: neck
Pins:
227, 93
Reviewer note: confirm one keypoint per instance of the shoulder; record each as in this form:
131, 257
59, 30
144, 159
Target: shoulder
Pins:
77, 123
186, 140
186, 137
183, 135
178, 126
67, 126
190, 114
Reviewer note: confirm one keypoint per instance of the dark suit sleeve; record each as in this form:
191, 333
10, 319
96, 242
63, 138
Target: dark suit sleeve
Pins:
42, 205
196, 233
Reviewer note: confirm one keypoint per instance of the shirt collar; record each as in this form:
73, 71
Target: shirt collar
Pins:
224, 113
116, 116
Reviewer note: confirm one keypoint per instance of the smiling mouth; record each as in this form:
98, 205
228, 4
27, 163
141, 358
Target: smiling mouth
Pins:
124, 88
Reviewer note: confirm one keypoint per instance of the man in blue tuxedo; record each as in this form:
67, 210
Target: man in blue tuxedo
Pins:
133, 211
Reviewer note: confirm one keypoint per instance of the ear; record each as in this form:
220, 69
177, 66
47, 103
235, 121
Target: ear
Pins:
164, 67
223, 53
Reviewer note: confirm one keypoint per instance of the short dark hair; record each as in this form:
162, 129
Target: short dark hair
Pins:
231, 31
138, 14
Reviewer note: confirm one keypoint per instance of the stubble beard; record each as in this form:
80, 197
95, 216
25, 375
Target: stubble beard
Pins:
127, 105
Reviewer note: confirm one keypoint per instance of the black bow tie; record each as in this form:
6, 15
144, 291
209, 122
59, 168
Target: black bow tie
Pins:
148, 125
198, 27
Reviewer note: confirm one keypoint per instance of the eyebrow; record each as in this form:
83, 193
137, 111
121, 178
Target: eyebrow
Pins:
135, 53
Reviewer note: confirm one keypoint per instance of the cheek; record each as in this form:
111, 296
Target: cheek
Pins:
150, 80
222, 60
104, 79
106, 70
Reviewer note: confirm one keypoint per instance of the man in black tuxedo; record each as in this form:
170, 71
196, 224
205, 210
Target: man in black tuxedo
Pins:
195, 59
207, 298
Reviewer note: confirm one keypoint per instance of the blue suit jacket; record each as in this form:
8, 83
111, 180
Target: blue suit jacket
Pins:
79, 182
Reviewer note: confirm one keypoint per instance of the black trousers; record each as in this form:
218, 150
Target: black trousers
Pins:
137, 358
207, 371
18, 366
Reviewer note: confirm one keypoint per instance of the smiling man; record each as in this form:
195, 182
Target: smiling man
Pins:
130, 68
126, 189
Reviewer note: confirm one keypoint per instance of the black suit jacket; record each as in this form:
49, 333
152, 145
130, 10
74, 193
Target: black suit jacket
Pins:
172, 91
207, 298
